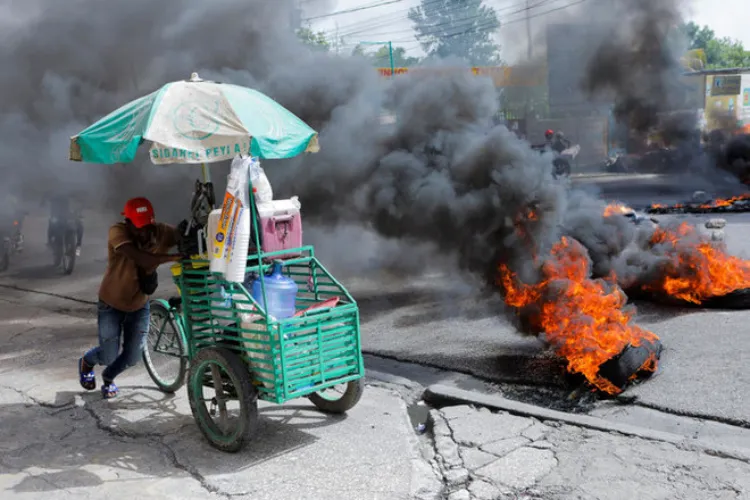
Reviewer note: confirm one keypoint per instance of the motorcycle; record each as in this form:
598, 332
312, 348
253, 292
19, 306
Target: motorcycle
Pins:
63, 242
7, 249
11, 241
562, 160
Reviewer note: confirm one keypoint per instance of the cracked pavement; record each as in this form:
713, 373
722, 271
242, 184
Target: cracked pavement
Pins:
486, 455
57, 441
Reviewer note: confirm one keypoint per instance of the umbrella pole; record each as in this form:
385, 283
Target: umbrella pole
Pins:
207, 182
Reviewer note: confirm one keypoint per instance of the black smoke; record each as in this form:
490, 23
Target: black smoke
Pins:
440, 176
638, 63
68, 64
440, 181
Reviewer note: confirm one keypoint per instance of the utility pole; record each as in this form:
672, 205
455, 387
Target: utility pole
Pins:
295, 17
390, 53
337, 41
528, 30
529, 55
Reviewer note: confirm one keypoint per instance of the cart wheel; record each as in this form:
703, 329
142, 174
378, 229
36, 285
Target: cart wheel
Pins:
339, 398
219, 379
164, 354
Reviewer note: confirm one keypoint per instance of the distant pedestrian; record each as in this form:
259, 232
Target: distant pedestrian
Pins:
136, 247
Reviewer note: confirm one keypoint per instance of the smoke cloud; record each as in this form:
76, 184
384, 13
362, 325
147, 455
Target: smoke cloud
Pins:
63, 70
439, 181
639, 62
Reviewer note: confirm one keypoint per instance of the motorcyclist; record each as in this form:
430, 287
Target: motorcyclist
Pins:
60, 213
12, 218
556, 141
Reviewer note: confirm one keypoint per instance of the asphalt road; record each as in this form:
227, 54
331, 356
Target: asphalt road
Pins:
436, 319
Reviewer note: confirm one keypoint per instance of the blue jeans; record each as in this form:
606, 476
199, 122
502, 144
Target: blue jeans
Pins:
131, 327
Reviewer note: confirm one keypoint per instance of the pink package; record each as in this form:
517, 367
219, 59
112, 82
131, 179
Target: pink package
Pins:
280, 232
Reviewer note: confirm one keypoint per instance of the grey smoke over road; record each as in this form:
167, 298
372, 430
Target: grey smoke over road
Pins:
68, 64
440, 181
638, 62
440, 176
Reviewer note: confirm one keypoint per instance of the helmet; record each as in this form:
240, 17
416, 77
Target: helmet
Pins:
139, 211
549, 133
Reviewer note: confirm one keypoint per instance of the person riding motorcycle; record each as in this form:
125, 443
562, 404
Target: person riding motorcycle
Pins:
13, 215
557, 141
61, 212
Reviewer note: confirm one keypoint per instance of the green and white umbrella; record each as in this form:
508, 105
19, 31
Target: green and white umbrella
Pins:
196, 121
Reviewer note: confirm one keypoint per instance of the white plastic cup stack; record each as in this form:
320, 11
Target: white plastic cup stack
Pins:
237, 263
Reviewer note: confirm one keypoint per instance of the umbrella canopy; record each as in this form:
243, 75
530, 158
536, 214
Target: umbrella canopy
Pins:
196, 121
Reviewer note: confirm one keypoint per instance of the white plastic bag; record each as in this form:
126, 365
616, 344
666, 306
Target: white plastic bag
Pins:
261, 186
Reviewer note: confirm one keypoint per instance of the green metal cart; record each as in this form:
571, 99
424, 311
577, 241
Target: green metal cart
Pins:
231, 353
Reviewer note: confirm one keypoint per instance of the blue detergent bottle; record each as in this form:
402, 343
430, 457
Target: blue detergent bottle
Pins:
281, 293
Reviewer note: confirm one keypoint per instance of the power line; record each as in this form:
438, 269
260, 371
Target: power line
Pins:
484, 27
467, 20
540, 14
362, 26
357, 9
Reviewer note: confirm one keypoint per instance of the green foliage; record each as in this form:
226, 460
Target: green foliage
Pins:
458, 28
719, 52
381, 58
315, 40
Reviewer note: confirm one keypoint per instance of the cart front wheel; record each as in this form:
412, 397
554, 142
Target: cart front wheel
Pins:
339, 398
164, 353
223, 399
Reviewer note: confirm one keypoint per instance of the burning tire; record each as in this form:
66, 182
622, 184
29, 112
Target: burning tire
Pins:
739, 299
633, 361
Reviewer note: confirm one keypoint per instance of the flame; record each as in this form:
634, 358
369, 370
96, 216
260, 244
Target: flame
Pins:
659, 205
726, 202
521, 223
718, 203
583, 319
617, 209
697, 269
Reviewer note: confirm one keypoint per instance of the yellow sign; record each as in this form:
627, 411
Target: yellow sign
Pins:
726, 85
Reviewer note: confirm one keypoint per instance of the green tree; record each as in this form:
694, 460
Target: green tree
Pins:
459, 28
381, 58
719, 52
316, 40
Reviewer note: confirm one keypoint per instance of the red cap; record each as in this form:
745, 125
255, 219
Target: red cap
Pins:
139, 211
549, 132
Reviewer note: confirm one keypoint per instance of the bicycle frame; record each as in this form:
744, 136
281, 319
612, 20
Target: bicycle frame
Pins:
174, 314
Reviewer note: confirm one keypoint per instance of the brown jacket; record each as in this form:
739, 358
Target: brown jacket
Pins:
120, 288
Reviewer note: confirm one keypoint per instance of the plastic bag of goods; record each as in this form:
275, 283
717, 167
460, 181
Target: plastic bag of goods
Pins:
261, 186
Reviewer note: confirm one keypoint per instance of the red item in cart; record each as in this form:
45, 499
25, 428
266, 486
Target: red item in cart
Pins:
326, 304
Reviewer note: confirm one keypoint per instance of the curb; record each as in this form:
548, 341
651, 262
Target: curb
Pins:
441, 395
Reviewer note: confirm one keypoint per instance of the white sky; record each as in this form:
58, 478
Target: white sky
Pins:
389, 22
732, 19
